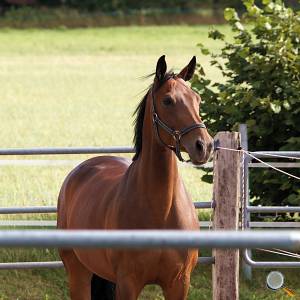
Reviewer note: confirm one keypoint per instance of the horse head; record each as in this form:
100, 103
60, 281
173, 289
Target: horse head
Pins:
175, 113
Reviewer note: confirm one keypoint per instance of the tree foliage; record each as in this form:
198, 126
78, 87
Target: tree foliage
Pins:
261, 87
181, 5
127, 6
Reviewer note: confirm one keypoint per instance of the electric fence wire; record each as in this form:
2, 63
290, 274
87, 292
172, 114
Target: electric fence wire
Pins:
274, 251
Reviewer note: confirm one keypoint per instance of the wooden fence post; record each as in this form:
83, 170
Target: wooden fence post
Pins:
226, 193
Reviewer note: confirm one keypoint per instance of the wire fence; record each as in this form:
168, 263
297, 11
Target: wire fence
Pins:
128, 149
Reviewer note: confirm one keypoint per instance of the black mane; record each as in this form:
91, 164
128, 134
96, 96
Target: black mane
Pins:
139, 114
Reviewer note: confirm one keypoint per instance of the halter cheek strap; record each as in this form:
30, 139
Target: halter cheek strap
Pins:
176, 134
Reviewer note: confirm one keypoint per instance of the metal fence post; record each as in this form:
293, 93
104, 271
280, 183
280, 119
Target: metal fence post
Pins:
247, 270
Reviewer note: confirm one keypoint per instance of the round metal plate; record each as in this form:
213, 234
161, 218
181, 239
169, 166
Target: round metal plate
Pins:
275, 280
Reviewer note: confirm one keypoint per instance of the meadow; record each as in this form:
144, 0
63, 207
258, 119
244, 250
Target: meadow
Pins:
79, 88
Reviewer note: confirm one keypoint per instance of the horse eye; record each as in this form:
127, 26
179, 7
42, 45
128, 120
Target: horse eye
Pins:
168, 101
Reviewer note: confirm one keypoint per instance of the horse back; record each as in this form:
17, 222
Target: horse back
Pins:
85, 191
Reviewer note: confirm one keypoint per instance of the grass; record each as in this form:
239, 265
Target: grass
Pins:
79, 88
51, 284
74, 88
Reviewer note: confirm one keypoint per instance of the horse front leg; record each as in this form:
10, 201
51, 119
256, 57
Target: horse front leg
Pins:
78, 276
178, 290
128, 287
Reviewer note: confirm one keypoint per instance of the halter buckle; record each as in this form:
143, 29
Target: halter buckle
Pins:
177, 135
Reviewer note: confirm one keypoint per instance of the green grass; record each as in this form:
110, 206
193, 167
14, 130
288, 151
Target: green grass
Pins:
74, 88
59, 87
52, 284
79, 88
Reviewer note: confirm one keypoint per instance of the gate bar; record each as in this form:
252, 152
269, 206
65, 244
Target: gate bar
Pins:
264, 154
203, 260
270, 209
112, 149
198, 205
31, 265
268, 264
139, 239
66, 150
53, 209
28, 210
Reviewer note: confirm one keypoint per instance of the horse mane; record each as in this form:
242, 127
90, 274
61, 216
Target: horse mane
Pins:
139, 114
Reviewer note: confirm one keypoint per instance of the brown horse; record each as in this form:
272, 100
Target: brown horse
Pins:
109, 192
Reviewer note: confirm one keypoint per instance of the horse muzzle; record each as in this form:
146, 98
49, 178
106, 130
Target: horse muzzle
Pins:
200, 151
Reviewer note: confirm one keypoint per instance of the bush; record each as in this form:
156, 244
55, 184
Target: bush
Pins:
261, 69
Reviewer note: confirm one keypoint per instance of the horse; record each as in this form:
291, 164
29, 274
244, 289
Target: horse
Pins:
114, 193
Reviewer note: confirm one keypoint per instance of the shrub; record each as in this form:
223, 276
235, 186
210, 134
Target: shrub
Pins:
261, 87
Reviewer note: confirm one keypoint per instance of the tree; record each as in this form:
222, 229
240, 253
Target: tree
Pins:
261, 69
21, 2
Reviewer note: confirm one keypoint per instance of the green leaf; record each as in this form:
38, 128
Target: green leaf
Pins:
254, 11
230, 14
207, 178
216, 35
266, 2
275, 108
268, 26
251, 122
293, 199
239, 26
244, 52
248, 2
286, 185
201, 70
204, 51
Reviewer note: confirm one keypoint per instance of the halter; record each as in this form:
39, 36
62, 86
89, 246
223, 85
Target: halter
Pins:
176, 134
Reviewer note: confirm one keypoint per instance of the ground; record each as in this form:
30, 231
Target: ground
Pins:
79, 88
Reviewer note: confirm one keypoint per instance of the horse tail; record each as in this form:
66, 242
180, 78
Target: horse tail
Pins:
102, 289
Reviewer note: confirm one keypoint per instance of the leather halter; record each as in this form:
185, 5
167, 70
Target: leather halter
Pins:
176, 134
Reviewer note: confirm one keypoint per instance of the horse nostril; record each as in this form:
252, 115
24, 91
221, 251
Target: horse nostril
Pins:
199, 146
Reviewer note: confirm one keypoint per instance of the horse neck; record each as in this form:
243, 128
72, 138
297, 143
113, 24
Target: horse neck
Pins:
157, 168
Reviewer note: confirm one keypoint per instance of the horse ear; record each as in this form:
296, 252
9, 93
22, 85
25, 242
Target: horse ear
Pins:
187, 72
161, 68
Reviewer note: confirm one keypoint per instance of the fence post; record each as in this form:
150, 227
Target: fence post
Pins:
226, 193
247, 269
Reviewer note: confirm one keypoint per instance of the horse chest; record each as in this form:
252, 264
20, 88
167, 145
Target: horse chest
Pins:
155, 266
136, 213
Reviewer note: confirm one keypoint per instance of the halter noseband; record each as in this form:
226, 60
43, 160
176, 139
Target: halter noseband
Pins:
176, 134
